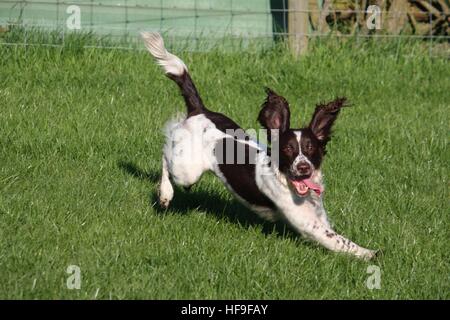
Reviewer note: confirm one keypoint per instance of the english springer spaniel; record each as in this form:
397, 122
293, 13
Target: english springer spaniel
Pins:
283, 182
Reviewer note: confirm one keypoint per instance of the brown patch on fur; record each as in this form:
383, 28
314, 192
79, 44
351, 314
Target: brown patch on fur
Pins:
240, 176
289, 150
323, 118
275, 113
312, 148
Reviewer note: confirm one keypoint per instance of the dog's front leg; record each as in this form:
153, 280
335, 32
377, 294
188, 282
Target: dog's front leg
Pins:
323, 218
336, 242
312, 228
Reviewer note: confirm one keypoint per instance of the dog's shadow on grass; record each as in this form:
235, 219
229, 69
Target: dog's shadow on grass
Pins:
185, 201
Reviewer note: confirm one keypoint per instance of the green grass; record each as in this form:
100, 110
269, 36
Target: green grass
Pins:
80, 149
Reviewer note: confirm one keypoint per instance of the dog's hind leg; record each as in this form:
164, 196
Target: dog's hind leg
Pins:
165, 186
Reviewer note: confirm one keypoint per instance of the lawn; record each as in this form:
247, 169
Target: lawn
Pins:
80, 150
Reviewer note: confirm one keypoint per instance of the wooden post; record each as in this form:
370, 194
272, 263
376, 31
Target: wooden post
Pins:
325, 10
397, 16
298, 26
382, 4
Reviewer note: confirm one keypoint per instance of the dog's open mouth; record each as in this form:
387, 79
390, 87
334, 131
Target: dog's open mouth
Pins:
302, 186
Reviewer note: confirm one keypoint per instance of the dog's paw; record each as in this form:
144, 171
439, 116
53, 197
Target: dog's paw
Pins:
371, 254
368, 255
377, 253
164, 202
165, 194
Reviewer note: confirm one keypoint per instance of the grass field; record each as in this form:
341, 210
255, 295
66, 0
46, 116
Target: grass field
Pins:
80, 148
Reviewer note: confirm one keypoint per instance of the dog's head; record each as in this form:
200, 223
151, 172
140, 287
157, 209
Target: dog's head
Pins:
300, 150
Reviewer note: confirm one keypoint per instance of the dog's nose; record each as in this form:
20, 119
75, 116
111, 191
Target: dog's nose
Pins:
304, 168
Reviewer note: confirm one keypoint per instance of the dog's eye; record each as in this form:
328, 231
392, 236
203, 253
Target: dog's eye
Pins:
288, 149
309, 147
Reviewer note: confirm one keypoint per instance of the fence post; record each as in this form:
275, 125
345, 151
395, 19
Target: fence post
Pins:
298, 26
397, 16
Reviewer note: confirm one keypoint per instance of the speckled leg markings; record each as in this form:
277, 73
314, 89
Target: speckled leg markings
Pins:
335, 242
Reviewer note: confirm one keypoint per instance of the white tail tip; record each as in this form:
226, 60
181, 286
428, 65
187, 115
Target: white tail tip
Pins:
155, 45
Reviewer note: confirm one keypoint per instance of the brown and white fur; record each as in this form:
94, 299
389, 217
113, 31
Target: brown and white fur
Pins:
201, 140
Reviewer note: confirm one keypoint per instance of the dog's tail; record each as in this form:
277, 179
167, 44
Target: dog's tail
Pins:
175, 69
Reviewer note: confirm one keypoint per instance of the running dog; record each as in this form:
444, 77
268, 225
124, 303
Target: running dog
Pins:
288, 186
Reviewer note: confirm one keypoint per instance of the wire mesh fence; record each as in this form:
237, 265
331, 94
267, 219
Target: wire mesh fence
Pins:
199, 25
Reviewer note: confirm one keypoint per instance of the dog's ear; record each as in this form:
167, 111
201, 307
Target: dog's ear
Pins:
275, 112
323, 118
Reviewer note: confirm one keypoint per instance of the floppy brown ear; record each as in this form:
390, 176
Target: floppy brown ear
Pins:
323, 118
275, 112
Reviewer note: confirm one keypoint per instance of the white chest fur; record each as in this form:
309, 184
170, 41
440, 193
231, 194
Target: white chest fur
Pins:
275, 186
